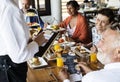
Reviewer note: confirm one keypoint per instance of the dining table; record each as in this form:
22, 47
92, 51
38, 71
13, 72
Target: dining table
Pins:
49, 72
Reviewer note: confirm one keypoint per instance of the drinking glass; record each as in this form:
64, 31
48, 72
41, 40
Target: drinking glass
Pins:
60, 62
93, 58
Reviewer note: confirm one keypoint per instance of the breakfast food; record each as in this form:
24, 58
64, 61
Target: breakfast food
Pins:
30, 14
65, 51
82, 51
78, 48
35, 61
54, 27
60, 40
56, 47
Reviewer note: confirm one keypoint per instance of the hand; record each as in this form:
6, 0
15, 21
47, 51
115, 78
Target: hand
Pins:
93, 49
84, 67
40, 39
63, 74
45, 25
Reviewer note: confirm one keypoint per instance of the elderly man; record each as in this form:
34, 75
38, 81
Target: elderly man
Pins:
109, 55
26, 6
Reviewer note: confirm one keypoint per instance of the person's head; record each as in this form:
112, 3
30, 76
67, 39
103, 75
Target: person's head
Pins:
25, 4
104, 18
72, 7
109, 47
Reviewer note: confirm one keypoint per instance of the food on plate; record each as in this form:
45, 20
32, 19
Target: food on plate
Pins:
82, 50
33, 24
59, 50
65, 51
30, 14
35, 61
78, 48
60, 40
57, 47
54, 27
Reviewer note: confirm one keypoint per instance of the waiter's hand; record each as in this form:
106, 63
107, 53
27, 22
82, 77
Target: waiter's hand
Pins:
40, 39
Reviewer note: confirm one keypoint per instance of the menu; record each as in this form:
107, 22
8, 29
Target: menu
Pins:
42, 49
70, 62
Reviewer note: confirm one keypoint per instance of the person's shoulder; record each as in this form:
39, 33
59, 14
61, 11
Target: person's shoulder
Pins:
80, 15
92, 77
94, 29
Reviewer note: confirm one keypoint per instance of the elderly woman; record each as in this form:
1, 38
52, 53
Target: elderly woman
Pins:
76, 24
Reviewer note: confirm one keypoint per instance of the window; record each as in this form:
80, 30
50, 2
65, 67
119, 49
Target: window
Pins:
43, 6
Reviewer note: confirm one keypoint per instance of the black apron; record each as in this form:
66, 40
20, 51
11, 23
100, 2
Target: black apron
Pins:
12, 72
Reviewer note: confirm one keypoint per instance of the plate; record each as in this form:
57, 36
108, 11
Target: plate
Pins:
87, 50
70, 44
42, 61
47, 56
79, 53
60, 29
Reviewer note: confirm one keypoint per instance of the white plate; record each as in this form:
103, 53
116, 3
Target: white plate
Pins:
80, 54
60, 29
70, 44
82, 47
42, 61
47, 56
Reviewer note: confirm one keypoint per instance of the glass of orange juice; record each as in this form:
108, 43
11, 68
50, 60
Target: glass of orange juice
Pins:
60, 62
93, 58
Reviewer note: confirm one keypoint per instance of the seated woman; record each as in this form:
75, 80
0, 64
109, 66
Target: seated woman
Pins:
76, 24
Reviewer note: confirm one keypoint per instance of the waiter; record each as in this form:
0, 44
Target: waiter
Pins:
15, 46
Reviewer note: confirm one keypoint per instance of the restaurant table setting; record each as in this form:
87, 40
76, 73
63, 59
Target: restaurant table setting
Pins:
64, 53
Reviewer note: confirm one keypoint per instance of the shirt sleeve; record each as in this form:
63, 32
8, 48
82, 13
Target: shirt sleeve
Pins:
66, 80
15, 35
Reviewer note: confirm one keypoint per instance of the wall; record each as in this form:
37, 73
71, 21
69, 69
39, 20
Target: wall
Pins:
56, 13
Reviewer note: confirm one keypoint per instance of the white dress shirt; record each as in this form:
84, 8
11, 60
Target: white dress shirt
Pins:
14, 33
110, 73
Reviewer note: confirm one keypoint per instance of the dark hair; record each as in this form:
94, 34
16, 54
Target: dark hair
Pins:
107, 12
74, 4
115, 26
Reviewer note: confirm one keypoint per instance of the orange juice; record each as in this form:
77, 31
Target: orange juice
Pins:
93, 57
60, 62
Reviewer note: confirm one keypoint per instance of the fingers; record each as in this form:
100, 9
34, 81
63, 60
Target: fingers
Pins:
63, 74
93, 49
84, 67
40, 39
63, 70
